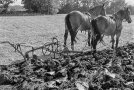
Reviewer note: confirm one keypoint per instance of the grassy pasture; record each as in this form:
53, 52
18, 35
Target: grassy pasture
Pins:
37, 30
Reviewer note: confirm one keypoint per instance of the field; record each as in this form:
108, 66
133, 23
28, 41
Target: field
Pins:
106, 70
37, 30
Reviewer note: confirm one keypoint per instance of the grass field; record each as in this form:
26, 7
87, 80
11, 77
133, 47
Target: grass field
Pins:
37, 30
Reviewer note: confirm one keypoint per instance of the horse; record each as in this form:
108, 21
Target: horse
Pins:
76, 20
109, 26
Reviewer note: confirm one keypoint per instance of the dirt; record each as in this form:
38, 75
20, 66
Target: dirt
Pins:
74, 71
105, 70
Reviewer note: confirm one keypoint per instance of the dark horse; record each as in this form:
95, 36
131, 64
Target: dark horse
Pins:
77, 20
109, 26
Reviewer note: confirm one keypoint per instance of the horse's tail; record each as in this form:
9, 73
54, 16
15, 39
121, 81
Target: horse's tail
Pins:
69, 26
67, 21
95, 29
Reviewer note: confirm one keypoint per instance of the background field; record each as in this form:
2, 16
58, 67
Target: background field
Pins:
37, 30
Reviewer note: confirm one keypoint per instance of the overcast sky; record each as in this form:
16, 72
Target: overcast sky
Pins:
129, 2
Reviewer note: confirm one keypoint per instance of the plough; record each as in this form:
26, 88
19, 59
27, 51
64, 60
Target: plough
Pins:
52, 47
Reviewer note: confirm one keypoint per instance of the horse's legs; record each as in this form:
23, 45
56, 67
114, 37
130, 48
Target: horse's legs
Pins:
94, 44
89, 37
73, 35
113, 41
65, 36
94, 41
117, 39
72, 44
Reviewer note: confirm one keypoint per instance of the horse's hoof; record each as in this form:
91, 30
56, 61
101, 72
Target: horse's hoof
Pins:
64, 45
89, 44
93, 52
72, 48
112, 47
116, 48
65, 49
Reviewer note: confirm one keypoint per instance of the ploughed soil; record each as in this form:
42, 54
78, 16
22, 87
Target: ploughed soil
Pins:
106, 70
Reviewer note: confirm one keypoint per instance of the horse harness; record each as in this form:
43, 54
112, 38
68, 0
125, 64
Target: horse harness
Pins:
117, 20
89, 17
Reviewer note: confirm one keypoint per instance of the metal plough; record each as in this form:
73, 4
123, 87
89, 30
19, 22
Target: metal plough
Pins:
52, 47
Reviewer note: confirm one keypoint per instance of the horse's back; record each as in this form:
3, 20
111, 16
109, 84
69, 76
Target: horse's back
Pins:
76, 12
106, 25
78, 18
79, 15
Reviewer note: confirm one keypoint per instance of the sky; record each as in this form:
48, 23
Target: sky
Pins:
17, 2
129, 2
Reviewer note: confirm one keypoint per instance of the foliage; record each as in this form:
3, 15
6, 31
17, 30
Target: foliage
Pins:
6, 1
115, 6
84, 5
131, 9
5, 5
42, 6
66, 6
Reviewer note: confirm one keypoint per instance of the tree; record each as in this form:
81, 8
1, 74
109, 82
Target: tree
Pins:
66, 6
115, 6
6, 1
42, 6
27, 4
4, 5
131, 9
85, 5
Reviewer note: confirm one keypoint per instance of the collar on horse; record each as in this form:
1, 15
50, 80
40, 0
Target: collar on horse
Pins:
88, 15
116, 17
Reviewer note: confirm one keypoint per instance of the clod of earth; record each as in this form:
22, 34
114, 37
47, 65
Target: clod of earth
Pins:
106, 71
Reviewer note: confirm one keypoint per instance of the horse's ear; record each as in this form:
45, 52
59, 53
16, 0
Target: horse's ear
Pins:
103, 5
126, 8
106, 4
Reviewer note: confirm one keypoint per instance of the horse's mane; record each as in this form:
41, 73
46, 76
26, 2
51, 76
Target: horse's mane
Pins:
120, 12
95, 9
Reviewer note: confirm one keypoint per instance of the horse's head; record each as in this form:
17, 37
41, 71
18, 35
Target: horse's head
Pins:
123, 14
126, 15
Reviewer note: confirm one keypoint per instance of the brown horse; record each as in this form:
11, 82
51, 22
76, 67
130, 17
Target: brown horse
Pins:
76, 20
109, 26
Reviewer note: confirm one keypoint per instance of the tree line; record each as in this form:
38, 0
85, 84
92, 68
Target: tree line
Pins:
66, 6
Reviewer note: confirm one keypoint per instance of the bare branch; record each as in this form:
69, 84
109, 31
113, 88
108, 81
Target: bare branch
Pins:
14, 46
